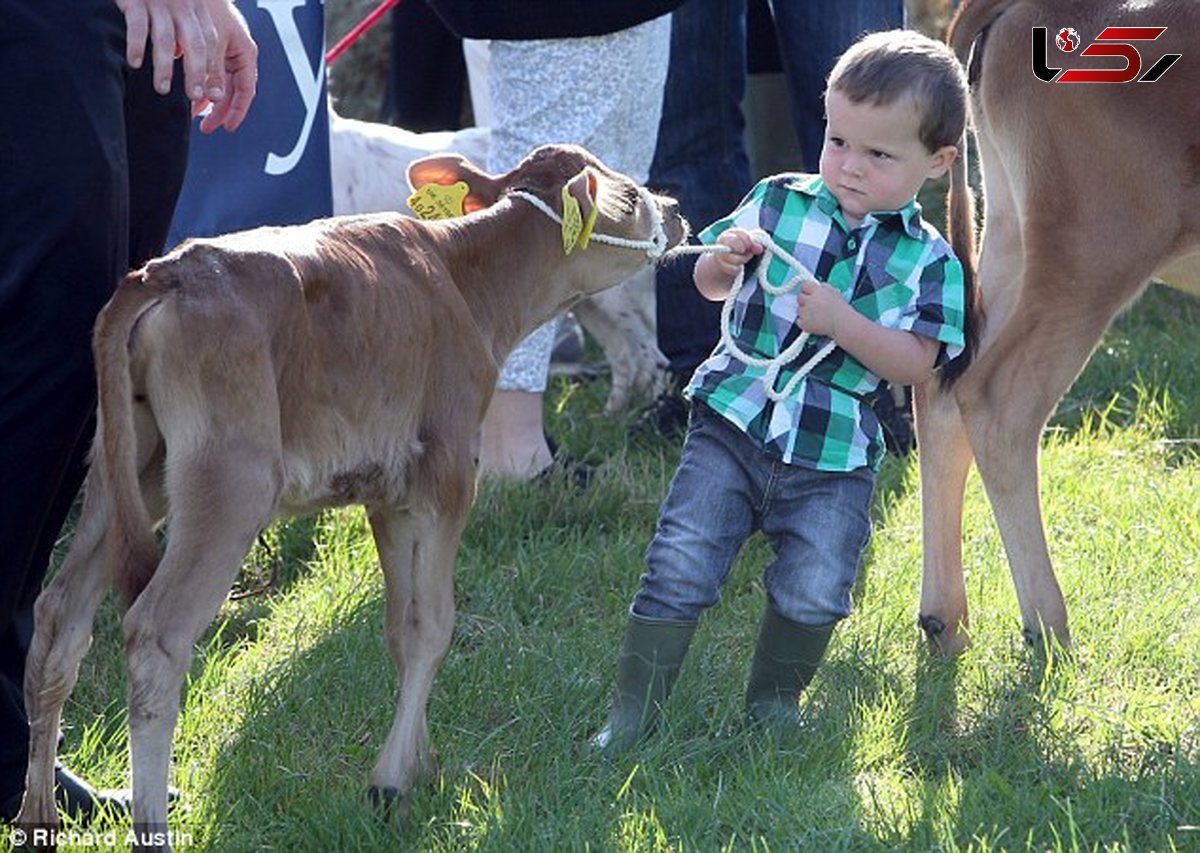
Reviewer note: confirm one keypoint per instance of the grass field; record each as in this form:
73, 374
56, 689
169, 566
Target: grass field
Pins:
292, 691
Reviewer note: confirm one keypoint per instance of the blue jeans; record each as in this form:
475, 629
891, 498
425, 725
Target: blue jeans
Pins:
700, 160
701, 157
725, 489
812, 34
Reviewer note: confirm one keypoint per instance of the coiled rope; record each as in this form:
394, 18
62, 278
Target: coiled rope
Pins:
771, 366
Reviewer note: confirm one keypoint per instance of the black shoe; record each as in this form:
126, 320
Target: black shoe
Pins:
893, 407
667, 416
564, 465
566, 358
75, 798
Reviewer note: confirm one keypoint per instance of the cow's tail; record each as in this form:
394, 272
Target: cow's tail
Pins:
960, 223
132, 552
968, 24
970, 21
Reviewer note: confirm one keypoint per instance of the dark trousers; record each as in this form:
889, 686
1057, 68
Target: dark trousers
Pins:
700, 159
91, 163
427, 75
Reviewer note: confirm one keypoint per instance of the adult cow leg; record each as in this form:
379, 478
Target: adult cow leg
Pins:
416, 551
1008, 396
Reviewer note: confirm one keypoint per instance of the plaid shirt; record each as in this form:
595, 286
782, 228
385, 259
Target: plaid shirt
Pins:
894, 268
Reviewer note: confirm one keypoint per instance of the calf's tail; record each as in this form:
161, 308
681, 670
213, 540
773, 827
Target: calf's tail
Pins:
132, 552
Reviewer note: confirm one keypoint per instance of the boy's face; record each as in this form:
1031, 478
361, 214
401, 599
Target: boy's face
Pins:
873, 159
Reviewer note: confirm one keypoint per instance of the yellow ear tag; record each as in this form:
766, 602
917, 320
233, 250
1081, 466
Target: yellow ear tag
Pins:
585, 235
572, 221
438, 201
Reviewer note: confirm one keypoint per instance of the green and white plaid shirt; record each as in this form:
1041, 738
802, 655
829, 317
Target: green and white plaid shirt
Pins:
894, 268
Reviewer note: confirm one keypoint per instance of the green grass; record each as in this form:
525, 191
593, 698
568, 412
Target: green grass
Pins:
292, 692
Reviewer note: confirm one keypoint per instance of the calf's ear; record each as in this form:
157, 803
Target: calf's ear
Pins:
583, 189
468, 188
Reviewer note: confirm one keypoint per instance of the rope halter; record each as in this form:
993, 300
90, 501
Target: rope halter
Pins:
791, 353
654, 247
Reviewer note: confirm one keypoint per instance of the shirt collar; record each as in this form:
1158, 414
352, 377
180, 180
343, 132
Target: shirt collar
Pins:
907, 217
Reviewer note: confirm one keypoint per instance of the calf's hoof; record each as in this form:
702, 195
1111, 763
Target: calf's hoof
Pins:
389, 803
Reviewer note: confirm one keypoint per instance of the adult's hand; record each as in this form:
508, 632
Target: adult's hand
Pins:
220, 58
236, 79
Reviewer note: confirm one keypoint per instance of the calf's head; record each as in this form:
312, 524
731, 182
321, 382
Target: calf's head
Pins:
596, 208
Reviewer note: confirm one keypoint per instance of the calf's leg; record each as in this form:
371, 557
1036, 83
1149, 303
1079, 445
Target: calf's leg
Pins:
945, 458
944, 452
220, 500
416, 551
64, 613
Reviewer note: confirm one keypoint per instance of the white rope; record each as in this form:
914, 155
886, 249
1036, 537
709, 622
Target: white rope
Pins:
655, 246
791, 353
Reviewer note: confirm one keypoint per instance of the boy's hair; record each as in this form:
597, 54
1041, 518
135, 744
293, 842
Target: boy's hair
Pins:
883, 67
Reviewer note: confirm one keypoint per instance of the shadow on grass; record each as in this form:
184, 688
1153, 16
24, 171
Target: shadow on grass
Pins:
1019, 779
277, 561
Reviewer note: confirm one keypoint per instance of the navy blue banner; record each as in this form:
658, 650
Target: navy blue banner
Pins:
274, 170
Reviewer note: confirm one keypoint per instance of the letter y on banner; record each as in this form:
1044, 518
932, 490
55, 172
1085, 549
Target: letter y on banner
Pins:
274, 170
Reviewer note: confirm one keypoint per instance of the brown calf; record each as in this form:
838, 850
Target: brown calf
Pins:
283, 370
367, 164
1089, 190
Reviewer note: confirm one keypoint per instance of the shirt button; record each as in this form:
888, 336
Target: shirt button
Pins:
851, 244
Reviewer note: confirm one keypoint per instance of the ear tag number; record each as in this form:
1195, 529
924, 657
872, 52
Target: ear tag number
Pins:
438, 201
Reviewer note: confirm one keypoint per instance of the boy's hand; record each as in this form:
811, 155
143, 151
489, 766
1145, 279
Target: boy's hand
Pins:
742, 249
820, 309
715, 271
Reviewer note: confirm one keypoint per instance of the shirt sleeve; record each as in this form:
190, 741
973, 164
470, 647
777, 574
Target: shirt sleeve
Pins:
938, 309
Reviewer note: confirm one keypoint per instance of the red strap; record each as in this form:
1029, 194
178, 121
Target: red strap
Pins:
358, 29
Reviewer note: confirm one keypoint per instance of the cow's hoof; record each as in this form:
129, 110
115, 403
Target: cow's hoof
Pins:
941, 639
1047, 646
389, 803
932, 626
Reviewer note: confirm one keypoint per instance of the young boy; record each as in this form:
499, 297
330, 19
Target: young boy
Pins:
792, 454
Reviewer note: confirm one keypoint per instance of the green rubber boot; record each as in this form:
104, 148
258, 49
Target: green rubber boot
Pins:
785, 659
650, 659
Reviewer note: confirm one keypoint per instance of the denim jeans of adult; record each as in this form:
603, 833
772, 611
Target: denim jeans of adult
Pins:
812, 34
701, 156
700, 160
725, 489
